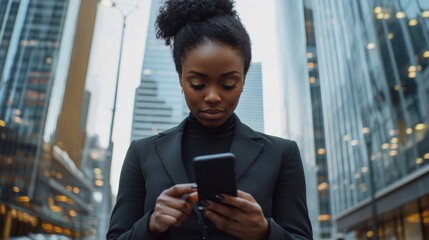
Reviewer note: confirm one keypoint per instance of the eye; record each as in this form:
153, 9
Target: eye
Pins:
229, 87
196, 86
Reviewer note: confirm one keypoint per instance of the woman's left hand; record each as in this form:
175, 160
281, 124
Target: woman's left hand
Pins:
243, 218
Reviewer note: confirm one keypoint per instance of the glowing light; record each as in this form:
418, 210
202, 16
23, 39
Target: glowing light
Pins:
391, 35
385, 146
419, 161
425, 14
99, 183
412, 68
420, 127
378, 10
354, 142
311, 65
107, 3
400, 15
426, 156
393, 153
413, 22
312, 80
394, 146
324, 217
426, 54
310, 55
365, 130
379, 16
72, 213
97, 171
69, 188
397, 88
346, 137
364, 169
412, 74
16, 189
61, 198
372, 157
369, 234
321, 151
2, 123
76, 190
386, 15
370, 45
23, 199
409, 131
323, 186
394, 140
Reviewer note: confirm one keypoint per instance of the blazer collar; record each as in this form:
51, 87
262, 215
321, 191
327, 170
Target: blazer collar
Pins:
245, 147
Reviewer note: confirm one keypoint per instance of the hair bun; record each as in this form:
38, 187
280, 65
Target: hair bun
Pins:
174, 14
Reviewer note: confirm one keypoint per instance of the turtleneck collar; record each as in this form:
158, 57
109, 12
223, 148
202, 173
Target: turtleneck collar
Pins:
193, 126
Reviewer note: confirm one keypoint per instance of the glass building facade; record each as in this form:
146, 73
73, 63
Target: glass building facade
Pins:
372, 62
159, 104
44, 51
299, 124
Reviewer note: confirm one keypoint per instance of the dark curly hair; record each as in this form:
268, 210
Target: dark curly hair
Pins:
185, 24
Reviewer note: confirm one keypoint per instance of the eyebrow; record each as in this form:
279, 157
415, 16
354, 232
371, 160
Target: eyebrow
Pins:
206, 76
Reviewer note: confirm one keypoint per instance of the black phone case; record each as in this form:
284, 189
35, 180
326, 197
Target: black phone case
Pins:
215, 174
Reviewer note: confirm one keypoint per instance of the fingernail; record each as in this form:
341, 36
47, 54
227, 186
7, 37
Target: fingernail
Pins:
220, 197
201, 208
194, 186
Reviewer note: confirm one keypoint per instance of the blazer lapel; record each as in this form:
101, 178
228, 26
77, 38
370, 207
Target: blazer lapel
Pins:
169, 147
245, 147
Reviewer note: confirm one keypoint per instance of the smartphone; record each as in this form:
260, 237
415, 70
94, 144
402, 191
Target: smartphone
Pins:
215, 174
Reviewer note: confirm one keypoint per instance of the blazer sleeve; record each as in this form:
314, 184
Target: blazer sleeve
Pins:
128, 219
290, 214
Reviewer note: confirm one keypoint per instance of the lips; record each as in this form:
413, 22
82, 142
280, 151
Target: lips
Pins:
212, 113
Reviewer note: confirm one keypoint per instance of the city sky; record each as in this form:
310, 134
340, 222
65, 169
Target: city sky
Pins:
259, 17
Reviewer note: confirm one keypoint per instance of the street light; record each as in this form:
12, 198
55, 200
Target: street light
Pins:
124, 15
106, 201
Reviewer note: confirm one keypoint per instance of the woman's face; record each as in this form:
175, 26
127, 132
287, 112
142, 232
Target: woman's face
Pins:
212, 80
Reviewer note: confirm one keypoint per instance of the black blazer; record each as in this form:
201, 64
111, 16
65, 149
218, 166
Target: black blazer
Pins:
267, 167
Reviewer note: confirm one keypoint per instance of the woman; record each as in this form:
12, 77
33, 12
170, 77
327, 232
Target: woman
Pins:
156, 200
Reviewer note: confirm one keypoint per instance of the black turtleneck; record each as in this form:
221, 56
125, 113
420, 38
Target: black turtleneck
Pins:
200, 140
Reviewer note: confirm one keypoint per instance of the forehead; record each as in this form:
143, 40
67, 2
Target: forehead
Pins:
210, 53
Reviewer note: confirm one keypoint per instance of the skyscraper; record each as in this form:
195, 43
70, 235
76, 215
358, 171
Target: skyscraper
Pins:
159, 104
250, 109
298, 123
373, 65
44, 50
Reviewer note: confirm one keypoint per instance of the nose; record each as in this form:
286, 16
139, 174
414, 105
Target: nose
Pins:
212, 96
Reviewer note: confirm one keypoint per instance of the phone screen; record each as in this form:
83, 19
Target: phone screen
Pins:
215, 174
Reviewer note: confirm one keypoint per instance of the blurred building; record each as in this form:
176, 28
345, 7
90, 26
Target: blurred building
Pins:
44, 52
299, 123
366, 70
250, 109
372, 62
159, 104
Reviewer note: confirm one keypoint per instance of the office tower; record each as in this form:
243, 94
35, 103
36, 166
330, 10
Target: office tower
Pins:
250, 109
298, 96
44, 50
159, 104
372, 59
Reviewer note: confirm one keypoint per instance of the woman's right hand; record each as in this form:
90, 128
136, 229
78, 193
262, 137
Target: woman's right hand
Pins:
172, 207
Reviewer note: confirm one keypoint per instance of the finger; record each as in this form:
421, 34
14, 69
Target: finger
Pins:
192, 198
245, 195
224, 210
175, 203
241, 203
221, 222
162, 210
179, 190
